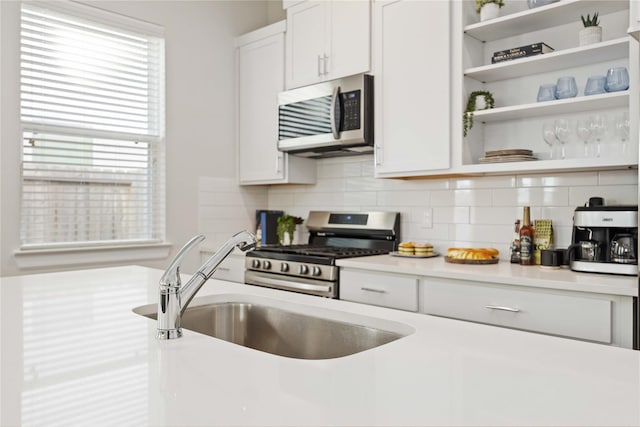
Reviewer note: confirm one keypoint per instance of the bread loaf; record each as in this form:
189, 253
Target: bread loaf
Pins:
473, 253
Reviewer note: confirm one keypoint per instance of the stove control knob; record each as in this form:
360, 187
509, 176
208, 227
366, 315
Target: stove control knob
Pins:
303, 269
315, 271
284, 267
266, 265
255, 263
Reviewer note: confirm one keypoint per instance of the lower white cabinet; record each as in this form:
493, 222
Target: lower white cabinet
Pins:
231, 269
587, 316
383, 289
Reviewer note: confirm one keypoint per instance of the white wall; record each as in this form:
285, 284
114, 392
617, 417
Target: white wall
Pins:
476, 212
200, 81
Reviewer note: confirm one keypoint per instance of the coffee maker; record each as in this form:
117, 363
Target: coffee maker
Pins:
605, 238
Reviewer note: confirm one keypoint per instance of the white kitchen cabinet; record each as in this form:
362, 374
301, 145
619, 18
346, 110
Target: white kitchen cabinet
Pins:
634, 18
517, 120
260, 69
411, 64
327, 40
382, 289
594, 317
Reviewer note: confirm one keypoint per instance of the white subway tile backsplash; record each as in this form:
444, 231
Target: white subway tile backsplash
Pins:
612, 194
404, 198
484, 182
474, 211
451, 215
629, 176
480, 197
559, 180
494, 215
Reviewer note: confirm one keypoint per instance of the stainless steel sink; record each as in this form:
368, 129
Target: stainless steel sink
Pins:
286, 331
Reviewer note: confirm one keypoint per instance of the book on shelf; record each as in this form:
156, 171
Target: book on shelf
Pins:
521, 52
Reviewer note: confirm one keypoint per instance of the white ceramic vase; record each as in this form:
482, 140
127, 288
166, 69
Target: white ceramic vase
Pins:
489, 11
481, 103
590, 35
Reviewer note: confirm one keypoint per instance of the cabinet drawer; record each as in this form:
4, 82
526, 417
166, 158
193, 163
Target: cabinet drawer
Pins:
532, 310
386, 290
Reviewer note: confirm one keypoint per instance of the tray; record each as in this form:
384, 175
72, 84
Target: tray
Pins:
395, 253
471, 261
509, 158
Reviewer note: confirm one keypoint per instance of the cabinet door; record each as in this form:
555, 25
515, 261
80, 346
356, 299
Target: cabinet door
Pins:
260, 79
349, 37
306, 30
412, 86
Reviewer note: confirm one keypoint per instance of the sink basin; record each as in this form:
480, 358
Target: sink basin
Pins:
285, 329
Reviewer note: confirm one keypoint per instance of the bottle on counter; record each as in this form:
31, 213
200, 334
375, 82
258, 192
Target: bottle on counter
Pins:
527, 235
515, 244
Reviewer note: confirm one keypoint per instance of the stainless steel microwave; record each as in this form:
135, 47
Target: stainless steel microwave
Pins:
333, 118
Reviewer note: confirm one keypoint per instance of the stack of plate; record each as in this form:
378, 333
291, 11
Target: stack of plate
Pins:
512, 155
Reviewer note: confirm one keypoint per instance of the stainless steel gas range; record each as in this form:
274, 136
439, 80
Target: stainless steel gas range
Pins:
311, 268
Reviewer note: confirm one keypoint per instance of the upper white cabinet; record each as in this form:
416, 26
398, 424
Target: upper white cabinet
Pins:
260, 68
411, 65
327, 40
518, 119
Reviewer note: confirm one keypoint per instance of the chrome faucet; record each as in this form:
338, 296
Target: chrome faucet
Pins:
174, 298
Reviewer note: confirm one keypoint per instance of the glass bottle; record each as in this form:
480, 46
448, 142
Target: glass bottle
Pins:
527, 234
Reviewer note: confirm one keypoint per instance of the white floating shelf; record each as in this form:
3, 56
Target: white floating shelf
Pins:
552, 15
559, 60
559, 106
548, 165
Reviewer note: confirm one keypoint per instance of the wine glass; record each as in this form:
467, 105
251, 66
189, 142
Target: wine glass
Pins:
549, 136
622, 130
583, 130
562, 131
598, 125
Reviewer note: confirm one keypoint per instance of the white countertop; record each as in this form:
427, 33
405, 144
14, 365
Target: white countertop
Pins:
502, 273
73, 353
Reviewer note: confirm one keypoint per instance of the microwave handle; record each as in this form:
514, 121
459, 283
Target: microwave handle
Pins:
332, 113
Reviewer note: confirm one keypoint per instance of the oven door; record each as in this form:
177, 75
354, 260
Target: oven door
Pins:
296, 284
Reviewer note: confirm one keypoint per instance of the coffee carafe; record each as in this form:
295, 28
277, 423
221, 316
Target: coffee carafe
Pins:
605, 238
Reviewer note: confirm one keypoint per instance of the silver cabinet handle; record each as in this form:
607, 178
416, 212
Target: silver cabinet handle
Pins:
278, 163
503, 308
319, 65
325, 60
378, 155
378, 291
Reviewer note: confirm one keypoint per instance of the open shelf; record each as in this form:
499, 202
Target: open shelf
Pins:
549, 165
554, 61
552, 15
559, 106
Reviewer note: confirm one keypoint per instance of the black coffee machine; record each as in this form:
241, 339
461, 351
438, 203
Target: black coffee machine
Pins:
605, 238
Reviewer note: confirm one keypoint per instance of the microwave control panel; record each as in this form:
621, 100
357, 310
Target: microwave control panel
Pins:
350, 119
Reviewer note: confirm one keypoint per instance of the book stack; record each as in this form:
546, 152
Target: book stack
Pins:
520, 52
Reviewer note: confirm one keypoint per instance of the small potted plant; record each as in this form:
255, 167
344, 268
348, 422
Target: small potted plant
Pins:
592, 31
488, 9
287, 226
478, 100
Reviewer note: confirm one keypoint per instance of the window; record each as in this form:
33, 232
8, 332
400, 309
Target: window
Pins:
92, 112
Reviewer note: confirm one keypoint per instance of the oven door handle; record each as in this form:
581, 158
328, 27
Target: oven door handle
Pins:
253, 278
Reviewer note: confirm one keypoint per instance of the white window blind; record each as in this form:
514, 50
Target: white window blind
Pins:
92, 110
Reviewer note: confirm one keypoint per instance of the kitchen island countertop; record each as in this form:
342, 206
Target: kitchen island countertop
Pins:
74, 353
501, 273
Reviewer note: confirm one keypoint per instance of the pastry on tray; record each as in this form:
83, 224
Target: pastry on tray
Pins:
423, 249
406, 248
